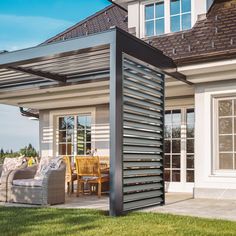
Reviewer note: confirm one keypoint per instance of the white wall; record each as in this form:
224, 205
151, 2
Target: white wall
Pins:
208, 182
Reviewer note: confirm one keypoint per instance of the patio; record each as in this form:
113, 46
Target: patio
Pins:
176, 204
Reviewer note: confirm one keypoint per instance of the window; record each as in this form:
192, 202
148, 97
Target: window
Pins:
190, 146
179, 145
226, 133
172, 145
154, 19
74, 135
180, 15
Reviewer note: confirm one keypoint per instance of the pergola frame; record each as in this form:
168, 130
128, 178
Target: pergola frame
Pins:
120, 43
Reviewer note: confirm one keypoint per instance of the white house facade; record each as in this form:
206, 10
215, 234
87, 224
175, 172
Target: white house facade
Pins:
200, 105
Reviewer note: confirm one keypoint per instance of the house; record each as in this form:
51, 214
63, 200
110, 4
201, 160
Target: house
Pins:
100, 87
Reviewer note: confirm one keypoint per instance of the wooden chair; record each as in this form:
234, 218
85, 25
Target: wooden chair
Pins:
70, 176
88, 171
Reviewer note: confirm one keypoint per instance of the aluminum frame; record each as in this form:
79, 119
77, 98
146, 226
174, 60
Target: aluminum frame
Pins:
119, 42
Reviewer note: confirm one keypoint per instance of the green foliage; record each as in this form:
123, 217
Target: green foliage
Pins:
27, 151
51, 221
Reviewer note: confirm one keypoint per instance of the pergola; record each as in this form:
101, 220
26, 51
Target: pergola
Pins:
135, 75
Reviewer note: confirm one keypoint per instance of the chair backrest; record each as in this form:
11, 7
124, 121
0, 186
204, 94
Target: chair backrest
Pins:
87, 166
69, 171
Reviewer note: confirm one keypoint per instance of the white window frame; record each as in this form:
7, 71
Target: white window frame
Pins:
215, 134
154, 19
180, 15
54, 119
166, 15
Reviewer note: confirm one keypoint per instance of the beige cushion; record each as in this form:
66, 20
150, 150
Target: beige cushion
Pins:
11, 164
51, 164
28, 182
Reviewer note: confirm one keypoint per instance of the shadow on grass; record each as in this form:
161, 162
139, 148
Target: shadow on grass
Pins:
15, 221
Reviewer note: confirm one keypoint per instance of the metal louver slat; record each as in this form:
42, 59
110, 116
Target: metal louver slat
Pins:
143, 109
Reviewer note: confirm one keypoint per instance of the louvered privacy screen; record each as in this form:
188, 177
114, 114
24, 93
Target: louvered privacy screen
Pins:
143, 108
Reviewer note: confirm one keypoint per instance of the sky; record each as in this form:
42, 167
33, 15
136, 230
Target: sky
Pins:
26, 23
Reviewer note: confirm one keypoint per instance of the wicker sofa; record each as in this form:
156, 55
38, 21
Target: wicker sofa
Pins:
4, 182
23, 188
3, 186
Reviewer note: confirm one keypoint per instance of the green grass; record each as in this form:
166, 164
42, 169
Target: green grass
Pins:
48, 221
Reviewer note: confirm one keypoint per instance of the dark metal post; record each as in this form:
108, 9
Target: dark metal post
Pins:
116, 131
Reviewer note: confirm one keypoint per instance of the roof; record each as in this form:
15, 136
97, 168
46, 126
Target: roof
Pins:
212, 38
98, 22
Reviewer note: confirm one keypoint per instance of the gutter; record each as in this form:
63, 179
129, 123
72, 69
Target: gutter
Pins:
28, 114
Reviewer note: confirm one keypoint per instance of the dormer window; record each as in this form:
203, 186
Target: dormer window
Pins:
165, 16
154, 19
180, 14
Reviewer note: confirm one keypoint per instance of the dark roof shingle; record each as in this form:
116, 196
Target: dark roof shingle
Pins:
98, 22
212, 38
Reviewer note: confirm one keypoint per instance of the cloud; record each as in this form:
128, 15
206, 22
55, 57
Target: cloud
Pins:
18, 32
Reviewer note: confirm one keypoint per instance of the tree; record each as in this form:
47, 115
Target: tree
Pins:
29, 151
1, 152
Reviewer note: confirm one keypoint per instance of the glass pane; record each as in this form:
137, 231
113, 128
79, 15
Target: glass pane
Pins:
190, 162
226, 161
235, 125
190, 116
160, 27
159, 9
190, 130
174, 7
62, 123
186, 6
62, 149
69, 148
62, 136
190, 123
88, 148
167, 146
88, 122
81, 149
176, 175
226, 143
88, 136
167, 131
70, 122
81, 122
167, 161
149, 12
176, 161
186, 21
70, 135
190, 146
176, 117
176, 146
149, 27
168, 117
167, 175
81, 136
225, 108
234, 106
176, 131
190, 176
175, 23
225, 125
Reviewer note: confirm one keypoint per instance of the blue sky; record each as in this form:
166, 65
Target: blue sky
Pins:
26, 23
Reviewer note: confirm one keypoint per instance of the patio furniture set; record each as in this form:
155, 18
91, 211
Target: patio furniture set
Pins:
44, 184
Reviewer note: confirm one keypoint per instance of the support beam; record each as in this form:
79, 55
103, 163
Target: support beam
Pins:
47, 75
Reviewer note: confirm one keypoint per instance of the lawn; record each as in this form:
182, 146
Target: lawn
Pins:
48, 221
